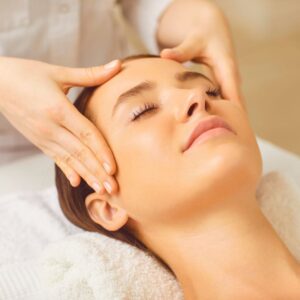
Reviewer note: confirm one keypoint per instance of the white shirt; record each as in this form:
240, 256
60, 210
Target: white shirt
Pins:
74, 33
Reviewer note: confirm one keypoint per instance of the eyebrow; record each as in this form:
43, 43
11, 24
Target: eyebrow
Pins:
150, 85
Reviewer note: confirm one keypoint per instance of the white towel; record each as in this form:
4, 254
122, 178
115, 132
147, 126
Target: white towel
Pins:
91, 266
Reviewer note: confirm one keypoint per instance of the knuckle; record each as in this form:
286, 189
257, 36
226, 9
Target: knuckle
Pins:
96, 170
60, 73
45, 130
87, 178
59, 161
56, 112
79, 154
91, 74
67, 159
85, 135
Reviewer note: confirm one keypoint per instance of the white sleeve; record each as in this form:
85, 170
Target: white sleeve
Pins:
144, 15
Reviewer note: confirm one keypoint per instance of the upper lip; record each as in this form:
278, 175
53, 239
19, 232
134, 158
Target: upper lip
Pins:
205, 125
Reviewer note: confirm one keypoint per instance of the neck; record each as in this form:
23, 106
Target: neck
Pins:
231, 252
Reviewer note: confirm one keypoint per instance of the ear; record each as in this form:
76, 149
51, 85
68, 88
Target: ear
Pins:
108, 215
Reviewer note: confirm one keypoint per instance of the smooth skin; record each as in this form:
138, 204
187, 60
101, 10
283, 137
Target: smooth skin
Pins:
197, 209
33, 94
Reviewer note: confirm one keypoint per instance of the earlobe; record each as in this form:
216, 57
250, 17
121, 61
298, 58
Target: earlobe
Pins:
102, 212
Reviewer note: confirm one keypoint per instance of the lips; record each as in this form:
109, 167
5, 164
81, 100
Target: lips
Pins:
205, 125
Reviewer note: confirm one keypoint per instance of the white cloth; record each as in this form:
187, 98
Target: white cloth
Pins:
91, 266
74, 33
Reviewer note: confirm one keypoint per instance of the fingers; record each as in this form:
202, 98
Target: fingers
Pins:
72, 176
187, 50
81, 146
76, 161
92, 172
90, 136
223, 66
226, 72
66, 162
91, 76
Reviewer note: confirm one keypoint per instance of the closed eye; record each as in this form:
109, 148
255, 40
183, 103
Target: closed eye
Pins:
146, 108
213, 92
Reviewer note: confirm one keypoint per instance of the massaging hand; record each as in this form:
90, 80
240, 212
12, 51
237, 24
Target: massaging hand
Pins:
33, 98
205, 38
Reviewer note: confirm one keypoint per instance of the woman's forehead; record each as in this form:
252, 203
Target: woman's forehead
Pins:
135, 71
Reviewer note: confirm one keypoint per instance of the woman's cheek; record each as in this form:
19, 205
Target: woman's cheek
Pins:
140, 156
141, 163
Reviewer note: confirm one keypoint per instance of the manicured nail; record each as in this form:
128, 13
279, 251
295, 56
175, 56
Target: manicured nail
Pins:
96, 187
107, 186
111, 64
107, 168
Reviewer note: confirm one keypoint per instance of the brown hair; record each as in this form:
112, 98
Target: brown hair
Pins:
72, 199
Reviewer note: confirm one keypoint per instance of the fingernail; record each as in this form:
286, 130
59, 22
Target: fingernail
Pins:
107, 186
170, 50
96, 187
175, 52
107, 168
111, 64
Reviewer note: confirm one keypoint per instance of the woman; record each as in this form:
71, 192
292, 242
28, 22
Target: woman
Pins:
42, 44
190, 201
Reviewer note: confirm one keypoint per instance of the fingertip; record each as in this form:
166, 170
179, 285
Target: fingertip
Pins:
75, 180
109, 168
113, 169
113, 184
108, 162
165, 52
170, 53
114, 64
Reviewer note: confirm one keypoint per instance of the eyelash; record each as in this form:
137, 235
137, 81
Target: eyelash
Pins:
212, 92
142, 110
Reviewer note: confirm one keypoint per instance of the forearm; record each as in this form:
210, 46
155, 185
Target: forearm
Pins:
180, 18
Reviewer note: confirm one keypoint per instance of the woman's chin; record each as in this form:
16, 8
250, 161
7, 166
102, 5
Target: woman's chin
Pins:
228, 168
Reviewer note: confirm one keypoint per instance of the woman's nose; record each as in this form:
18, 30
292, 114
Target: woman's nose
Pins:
194, 102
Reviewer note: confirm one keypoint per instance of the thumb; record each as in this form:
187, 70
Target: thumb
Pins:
90, 76
187, 50
227, 74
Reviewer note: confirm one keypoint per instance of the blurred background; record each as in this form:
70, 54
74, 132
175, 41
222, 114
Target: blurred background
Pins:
267, 39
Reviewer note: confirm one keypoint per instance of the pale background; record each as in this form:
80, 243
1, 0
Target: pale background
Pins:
267, 39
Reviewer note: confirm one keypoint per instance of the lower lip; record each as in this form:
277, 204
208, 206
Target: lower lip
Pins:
209, 134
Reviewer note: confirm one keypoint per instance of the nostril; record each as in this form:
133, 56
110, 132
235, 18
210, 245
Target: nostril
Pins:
206, 105
190, 111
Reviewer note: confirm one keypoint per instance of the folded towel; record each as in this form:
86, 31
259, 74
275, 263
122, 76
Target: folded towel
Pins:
92, 266
28, 222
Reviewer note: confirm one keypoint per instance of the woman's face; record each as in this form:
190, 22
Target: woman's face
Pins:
159, 183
